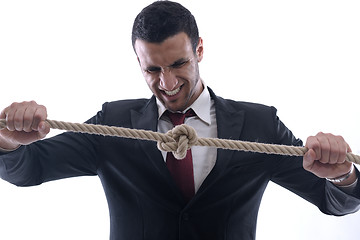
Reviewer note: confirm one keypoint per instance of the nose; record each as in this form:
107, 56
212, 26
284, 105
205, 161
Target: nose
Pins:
168, 80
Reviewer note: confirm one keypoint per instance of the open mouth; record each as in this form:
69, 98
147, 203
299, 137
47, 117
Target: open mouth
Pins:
173, 92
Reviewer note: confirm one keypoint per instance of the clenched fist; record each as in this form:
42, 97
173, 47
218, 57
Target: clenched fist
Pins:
25, 123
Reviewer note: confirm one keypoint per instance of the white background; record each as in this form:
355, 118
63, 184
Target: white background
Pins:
302, 57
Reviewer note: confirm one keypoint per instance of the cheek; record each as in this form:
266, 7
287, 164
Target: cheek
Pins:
187, 74
151, 81
191, 74
193, 70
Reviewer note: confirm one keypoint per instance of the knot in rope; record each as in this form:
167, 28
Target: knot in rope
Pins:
184, 137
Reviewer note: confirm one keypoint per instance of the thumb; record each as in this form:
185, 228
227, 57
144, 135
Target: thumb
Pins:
43, 129
309, 159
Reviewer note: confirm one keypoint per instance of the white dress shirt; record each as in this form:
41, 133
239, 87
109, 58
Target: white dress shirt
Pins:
204, 123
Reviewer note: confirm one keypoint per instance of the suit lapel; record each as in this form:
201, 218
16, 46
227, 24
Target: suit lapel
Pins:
147, 119
229, 126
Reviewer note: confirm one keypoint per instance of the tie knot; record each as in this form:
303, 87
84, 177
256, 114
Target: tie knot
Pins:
179, 118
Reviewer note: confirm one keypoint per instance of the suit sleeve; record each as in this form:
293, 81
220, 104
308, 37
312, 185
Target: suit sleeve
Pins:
63, 156
289, 173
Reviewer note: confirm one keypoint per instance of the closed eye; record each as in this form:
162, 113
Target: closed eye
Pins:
153, 70
176, 65
180, 63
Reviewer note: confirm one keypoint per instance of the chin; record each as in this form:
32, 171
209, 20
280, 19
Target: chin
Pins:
174, 108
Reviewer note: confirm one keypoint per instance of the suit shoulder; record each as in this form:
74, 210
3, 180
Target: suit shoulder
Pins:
234, 105
125, 105
119, 112
248, 106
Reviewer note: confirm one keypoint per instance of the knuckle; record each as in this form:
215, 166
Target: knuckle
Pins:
324, 161
312, 142
40, 113
340, 138
23, 103
14, 105
330, 135
320, 134
43, 108
309, 138
27, 130
342, 154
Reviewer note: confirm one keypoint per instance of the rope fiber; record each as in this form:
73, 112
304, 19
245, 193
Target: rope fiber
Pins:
179, 139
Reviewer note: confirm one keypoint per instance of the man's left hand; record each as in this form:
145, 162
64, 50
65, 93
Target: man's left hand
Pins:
326, 157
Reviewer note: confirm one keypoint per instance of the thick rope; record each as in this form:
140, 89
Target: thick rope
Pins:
179, 139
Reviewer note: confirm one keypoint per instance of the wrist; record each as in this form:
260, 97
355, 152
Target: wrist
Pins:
346, 179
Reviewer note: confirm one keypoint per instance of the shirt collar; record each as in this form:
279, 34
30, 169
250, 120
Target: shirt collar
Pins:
201, 106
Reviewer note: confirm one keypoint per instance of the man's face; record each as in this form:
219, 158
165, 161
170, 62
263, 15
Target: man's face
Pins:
171, 70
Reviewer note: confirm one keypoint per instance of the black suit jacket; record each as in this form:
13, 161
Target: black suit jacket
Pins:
143, 199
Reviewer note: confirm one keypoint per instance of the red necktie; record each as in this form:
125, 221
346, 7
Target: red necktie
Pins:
182, 170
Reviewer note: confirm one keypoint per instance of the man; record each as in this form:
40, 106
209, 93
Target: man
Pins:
145, 197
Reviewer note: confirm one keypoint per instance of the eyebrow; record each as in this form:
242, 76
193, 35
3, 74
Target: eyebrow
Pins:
177, 62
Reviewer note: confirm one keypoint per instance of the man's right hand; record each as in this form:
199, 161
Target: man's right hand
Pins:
25, 123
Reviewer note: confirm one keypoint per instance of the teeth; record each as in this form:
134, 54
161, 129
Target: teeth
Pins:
173, 92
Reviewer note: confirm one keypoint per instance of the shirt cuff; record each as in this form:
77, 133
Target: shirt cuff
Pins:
349, 189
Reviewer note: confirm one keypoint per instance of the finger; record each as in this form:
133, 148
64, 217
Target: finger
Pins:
343, 149
40, 115
2, 114
312, 143
24, 116
9, 116
44, 129
325, 148
15, 116
348, 148
19, 118
334, 151
309, 159
28, 118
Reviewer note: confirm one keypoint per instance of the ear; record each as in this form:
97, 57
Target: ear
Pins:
200, 50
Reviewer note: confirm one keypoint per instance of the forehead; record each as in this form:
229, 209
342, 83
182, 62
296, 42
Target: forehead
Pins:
164, 53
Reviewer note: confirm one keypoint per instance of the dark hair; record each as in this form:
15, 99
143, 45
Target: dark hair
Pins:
163, 19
